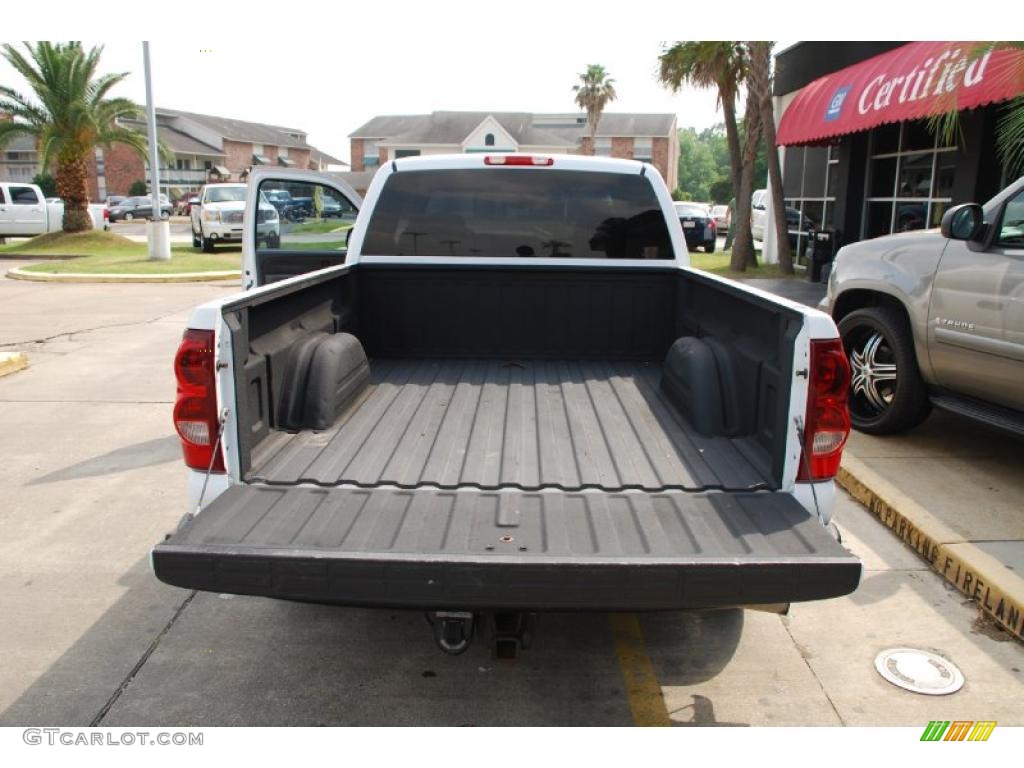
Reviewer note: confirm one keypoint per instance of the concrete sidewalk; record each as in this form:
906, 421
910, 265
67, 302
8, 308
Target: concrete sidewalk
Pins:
952, 490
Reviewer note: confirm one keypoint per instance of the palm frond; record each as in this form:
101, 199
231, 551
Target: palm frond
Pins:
72, 111
10, 130
1010, 136
944, 120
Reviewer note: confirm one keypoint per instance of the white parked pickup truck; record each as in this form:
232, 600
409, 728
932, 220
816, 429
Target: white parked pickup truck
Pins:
513, 396
217, 219
24, 212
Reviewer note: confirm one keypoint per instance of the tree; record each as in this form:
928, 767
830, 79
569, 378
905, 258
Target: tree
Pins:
70, 117
1009, 127
721, 65
137, 189
743, 245
720, 191
593, 93
760, 85
697, 167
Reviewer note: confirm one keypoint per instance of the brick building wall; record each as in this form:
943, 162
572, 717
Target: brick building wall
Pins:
237, 156
622, 147
299, 156
382, 155
586, 146
660, 160
122, 166
357, 155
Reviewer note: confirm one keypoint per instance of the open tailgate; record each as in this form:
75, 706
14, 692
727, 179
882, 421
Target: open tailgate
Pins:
508, 549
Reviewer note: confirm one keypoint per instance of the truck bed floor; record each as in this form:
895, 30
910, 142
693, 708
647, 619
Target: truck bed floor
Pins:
527, 424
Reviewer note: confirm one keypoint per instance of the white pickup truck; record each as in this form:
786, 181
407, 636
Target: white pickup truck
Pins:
24, 212
217, 219
513, 396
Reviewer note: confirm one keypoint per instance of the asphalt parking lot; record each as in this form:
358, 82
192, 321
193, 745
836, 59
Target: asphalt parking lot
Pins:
94, 479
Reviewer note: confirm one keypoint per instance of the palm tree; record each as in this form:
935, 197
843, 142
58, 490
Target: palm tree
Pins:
72, 116
759, 82
593, 93
1010, 126
720, 64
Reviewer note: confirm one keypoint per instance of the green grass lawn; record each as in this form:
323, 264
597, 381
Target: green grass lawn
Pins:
718, 263
183, 259
76, 244
100, 253
330, 245
319, 226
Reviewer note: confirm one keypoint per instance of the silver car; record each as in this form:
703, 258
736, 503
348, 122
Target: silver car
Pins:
722, 217
936, 318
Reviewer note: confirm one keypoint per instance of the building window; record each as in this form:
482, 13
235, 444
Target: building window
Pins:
642, 149
406, 153
910, 179
603, 146
370, 156
257, 149
489, 140
809, 187
282, 151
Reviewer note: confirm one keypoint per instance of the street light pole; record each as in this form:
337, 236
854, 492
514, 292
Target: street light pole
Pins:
159, 230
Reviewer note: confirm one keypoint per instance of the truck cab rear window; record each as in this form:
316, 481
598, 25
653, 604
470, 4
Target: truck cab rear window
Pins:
521, 212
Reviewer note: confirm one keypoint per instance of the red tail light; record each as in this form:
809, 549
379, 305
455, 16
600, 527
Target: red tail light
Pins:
518, 160
195, 410
827, 424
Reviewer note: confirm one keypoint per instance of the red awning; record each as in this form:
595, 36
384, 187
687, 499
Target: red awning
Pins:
914, 81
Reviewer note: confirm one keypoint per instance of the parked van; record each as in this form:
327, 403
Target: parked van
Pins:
758, 211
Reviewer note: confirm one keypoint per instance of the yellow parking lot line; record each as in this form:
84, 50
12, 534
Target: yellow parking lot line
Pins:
646, 700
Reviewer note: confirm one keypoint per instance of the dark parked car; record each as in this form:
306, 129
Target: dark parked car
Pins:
279, 198
698, 226
139, 208
114, 200
332, 208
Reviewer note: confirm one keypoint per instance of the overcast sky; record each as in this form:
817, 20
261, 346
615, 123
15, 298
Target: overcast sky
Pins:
329, 68
329, 93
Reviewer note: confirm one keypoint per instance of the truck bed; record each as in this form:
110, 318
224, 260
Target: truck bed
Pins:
517, 424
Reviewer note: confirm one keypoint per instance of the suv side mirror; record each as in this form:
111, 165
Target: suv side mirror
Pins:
963, 222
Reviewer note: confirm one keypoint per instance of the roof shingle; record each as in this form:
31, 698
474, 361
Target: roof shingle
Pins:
525, 127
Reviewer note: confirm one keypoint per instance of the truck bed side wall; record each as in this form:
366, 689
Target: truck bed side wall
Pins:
509, 313
759, 336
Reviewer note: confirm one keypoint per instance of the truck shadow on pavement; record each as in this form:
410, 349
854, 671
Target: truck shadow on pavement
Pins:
162, 655
148, 453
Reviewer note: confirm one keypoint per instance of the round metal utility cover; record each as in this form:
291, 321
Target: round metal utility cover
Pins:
919, 671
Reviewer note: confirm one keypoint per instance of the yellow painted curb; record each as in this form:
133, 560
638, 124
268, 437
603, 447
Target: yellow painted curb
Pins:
12, 361
84, 277
998, 591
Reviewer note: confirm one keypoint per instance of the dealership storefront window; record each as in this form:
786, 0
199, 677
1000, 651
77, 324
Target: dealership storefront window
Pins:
859, 157
909, 179
809, 186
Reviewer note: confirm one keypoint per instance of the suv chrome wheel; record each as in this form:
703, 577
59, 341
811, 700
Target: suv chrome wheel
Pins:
873, 373
887, 393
